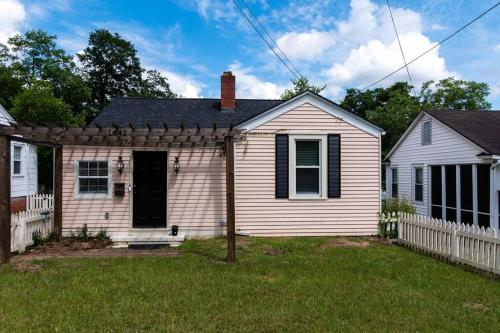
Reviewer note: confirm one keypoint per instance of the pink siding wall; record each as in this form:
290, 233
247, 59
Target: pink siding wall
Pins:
355, 213
196, 196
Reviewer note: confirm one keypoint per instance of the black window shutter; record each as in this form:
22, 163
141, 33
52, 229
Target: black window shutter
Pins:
281, 165
334, 165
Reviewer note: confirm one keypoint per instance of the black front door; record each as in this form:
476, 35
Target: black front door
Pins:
150, 189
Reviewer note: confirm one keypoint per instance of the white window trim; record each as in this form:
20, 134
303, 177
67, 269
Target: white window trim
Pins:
422, 132
22, 168
323, 184
414, 183
76, 186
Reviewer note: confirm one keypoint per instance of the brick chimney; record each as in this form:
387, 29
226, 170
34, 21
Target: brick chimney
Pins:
227, 91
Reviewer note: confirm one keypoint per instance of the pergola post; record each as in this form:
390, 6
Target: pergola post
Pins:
5, 223
58, 181
230, 205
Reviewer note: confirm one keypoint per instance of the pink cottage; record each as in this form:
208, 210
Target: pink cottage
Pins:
302, 167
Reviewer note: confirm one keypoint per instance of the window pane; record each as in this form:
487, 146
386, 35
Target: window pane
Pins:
307, 153
83, 168
17, 153
419, 192
93, 168
419, 176
466, 217
17, 167
307, 181
466, 187
394, 190
437, 212
483, 220
483, 188
451, 186
394, 175
93, 185
436, 191
103, 168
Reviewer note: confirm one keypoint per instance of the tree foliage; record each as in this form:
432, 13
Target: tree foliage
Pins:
38, 105
394, 108
451, 93
300, 85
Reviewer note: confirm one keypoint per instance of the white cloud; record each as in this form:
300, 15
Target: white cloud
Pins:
12, 16
495, 91
183, 85
305, 45
250, 86
372, 60
369, 36
438, 27
497, 48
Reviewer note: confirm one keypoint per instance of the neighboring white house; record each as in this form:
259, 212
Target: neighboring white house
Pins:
447, 164
24, 172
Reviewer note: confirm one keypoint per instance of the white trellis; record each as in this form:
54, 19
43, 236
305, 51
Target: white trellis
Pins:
467, 244
24, 224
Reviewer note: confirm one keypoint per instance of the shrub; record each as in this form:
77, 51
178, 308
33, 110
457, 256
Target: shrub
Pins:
102, 234
394, 205
83, 233
51, 237
37, 237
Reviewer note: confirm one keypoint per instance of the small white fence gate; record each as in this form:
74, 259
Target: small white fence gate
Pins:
37, 219
467, 244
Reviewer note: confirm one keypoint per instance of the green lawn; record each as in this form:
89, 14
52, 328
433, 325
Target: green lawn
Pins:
295, 284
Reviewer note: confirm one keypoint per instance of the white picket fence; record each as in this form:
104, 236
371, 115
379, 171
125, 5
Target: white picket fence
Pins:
40, 201
461, 243
24, 224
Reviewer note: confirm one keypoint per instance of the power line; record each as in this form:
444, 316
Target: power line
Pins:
270, 37
400, 46
265, 40
433, 47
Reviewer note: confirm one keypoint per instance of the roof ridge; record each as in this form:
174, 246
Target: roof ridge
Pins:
196, 98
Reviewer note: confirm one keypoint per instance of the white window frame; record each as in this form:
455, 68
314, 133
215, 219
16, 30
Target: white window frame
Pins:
293, 138
77, 193
392, 181
414, 183
20, 160
429, 121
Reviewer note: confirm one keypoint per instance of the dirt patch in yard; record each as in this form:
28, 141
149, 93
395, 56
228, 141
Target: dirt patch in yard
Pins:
343, 242
68, 248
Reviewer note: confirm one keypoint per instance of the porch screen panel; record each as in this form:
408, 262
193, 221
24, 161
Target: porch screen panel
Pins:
436, 192
466, 212
483, 195
451, 192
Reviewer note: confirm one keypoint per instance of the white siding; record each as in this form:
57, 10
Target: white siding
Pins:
447, 147
25, 183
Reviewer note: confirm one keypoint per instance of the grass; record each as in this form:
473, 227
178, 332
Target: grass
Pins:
277, 285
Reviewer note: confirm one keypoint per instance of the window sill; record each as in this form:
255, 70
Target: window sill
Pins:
93, 196
307, 198
17, 176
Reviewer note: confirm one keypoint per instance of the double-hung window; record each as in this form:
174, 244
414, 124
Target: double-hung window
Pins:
418, 184
93, 177
17, 160
394, 182
308, 166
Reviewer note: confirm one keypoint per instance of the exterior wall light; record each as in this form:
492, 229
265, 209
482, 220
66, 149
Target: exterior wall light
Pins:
120, 165
177, 165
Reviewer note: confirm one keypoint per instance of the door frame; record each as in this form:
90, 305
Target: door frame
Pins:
131, 192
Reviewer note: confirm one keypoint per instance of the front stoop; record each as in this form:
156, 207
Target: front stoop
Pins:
147, 238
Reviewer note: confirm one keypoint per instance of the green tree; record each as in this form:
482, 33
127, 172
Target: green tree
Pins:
37, 105
155, 85
451, 93
300, 85
111, 67
36, 57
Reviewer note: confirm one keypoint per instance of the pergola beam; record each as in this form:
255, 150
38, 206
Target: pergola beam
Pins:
4, 199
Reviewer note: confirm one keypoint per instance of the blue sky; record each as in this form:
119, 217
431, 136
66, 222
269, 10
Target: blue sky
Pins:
339, 43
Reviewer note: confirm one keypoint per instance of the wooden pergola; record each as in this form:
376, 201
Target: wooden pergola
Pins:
115, 136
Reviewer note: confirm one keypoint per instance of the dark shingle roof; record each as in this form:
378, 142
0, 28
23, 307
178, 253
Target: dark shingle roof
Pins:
480, 127
189, 112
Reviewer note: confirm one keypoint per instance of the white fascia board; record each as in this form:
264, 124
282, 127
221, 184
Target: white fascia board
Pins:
317, 101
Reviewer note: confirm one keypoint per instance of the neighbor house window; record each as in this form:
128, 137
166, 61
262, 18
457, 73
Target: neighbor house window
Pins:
394, 182
426, 133
308, 163
17, 160
418, 183
93, 177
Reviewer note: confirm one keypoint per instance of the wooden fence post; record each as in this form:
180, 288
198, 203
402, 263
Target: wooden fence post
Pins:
4, 199
58, 175
230, 205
